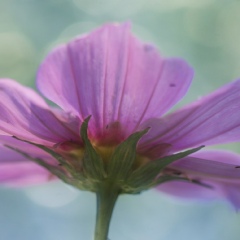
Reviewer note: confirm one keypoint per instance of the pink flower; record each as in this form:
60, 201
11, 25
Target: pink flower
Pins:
125, 86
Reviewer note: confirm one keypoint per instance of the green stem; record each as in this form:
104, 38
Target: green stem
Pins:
106, 199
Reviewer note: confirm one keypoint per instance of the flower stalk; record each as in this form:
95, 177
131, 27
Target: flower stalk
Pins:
106, 199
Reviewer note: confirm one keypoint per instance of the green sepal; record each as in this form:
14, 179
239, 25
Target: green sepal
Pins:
124, 157
133, 189
147, 175
75, 169
93, 166
58, 157
73, 178
165, 178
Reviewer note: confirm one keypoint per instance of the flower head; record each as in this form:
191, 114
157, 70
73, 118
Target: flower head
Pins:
127, 88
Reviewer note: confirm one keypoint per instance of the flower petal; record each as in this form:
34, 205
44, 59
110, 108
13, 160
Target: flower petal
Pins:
24, 114
221, 156
208, 169
232, 193
211, 120
33, 151
187, 190
218, 169
16, 171
23, 174
114, 77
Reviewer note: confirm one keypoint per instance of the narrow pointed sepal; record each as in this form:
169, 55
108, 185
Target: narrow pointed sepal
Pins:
93, 165
151, 174
124, 156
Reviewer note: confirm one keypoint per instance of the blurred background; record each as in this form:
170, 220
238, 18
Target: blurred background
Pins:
206, 33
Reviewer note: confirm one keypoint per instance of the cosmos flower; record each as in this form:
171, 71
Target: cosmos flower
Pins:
112, 93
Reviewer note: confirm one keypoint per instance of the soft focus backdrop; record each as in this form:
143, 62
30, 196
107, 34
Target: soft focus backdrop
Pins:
205, 32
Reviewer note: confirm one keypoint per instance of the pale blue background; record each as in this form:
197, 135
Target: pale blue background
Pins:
205, 32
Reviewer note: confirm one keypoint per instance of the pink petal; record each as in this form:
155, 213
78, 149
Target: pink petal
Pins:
232, 193
218, 169
211, 120
23, 174
221, 156
187, 190
24, 114
33, 151
114, 77
17, 171
208, 169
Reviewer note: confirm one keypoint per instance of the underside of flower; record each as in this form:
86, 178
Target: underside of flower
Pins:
89, 166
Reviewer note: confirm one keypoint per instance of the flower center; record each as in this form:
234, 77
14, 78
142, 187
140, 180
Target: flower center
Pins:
73, 154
